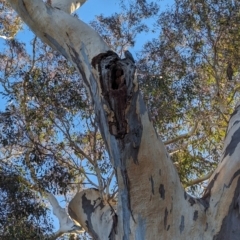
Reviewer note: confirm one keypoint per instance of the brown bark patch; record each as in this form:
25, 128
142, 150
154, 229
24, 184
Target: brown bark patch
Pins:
116, 85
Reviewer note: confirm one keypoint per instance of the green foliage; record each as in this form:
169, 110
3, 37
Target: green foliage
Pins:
121, 29
10, 23
23, 216
183, 78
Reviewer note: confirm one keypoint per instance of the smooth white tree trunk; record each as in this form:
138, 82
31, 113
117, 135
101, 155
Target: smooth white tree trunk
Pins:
151, 202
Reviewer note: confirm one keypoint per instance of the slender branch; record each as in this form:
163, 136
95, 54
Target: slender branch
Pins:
91, 182
109, 179
71, 142
233, 95
32, 187
34, 53
182, 147
6, 38
186, 135
198, 180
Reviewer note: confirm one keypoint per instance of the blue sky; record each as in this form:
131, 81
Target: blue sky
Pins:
107, 7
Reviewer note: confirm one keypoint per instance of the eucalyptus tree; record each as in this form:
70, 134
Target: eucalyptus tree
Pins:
151, 202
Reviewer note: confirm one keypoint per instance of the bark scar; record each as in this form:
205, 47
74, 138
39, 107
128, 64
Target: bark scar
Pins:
112, 72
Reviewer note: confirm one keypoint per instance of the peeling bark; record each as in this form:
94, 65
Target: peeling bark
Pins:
95, 215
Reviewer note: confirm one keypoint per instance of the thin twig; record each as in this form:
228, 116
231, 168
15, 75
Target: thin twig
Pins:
186, 135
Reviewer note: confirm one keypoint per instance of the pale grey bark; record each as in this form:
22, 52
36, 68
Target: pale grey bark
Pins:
151, 201
94, 214
68, 6
66, 224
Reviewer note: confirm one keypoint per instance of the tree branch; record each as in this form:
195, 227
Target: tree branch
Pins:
67, 225
186, 135
198, 180
5, 37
